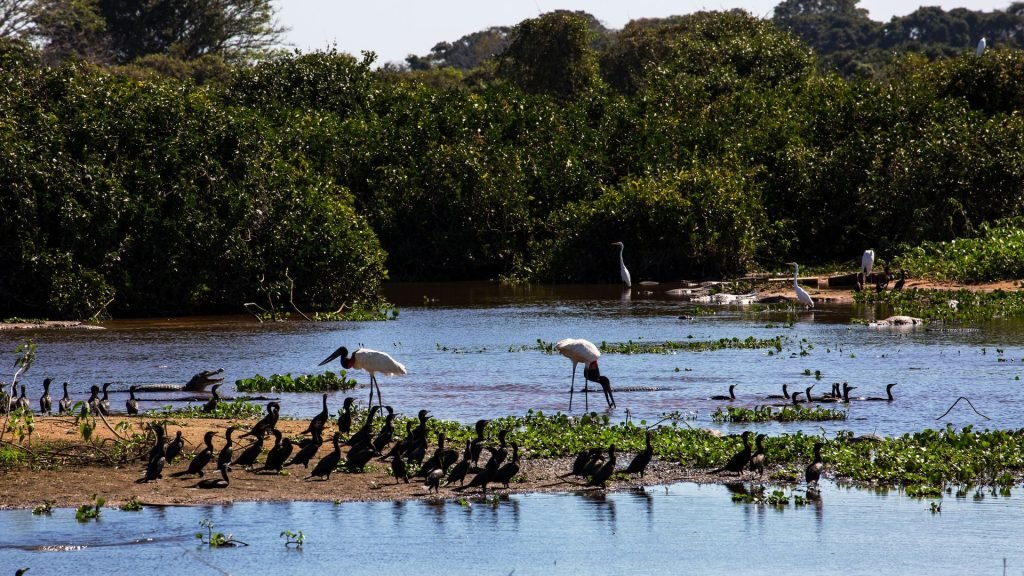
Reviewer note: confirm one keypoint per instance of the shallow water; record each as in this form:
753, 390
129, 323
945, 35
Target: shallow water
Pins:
680, 529
455, 340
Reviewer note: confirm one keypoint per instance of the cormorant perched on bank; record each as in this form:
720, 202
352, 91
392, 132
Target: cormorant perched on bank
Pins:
481, 480
458, 473
65, 403
433, 480
267, 423
279, 453
319, 421
23, 402
132, 405
345, 418
477, 446
813, 471
227, 452
105, 400
358, 456
45, 402
731, 396
328, 463
306, 453
387, 431
398, 469
739, 460
507, 472
600, 476
248, 456
641, 460
364, 435
94, 399
757, 460
498, 454
215, 483
200, 460
175, 447
901, 282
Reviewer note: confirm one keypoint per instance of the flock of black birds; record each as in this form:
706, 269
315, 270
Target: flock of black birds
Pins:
754, 460
840, 394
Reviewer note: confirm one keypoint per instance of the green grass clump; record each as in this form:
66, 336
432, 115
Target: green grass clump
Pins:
92, 511
949, 306
996, 254
133, 505
323, 382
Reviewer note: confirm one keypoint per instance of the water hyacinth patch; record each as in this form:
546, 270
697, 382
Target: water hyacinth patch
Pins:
323, 382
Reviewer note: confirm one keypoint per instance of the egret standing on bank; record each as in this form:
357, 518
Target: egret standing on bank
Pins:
867, 262
579, 350
801, 294
622, 266
981, 47
370, 360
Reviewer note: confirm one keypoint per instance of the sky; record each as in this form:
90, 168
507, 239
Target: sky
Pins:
396, 29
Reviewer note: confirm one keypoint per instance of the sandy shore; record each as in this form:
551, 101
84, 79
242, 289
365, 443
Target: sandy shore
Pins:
72, 485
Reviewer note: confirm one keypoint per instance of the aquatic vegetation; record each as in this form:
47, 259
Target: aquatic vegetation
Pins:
237, 409
322, 382
216, 539
133, 505
785, 414
775, 498
668, 347
44, 509
360, 313
293, 538
949, 306
92, 511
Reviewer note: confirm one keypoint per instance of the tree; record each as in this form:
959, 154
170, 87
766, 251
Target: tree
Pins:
552, 54
119, 31
15, 17
466, 53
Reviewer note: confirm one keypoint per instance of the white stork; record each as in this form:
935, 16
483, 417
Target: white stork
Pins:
370, 360
584, 351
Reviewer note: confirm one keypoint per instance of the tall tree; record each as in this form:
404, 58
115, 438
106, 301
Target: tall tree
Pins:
15, 17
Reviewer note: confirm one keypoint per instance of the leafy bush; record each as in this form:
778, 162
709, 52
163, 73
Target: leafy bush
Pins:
323, 382
997, 253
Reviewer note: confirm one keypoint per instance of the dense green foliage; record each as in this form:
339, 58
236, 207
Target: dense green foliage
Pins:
996, 254
794, 413
950, 306
708, 143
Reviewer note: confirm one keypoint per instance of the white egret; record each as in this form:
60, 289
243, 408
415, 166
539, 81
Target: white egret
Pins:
867, 262
370, 360
801, 294
584, 351
622, 266
981, 47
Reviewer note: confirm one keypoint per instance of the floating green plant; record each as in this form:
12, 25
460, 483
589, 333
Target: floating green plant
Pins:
92, 511
293, 539
44, 509
133, 505
322, 382
785, 414
216, 539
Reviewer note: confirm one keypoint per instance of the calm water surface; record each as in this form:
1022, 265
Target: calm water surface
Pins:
681, 529
464, 350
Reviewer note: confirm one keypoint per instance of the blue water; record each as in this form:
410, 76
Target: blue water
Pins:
679, 529
457, 352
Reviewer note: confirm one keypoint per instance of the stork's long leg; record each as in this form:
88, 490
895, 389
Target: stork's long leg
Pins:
380, 402
371, 390
572, 385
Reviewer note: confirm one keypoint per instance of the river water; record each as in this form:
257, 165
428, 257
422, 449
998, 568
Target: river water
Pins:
471, 352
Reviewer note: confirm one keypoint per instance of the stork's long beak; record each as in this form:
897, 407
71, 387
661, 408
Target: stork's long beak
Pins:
334, 355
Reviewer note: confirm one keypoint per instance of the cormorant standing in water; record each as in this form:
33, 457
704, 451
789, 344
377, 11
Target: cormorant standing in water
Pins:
132, 405
215, 483
65, 402
731, 396
279, 453
201, 459
345, 418
600, 477
46, 403
227, 452
888, 392
211, 404
641, 460
813, 471
328, 463
507, 472
739, 460
757, 461
175, 447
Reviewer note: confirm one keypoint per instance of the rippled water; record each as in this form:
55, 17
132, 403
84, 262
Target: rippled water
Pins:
680, 529
455, 340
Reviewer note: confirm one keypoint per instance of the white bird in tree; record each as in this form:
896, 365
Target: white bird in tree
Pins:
622, 266
584, 351
867, 262
981, 47
370, 360
801, 294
